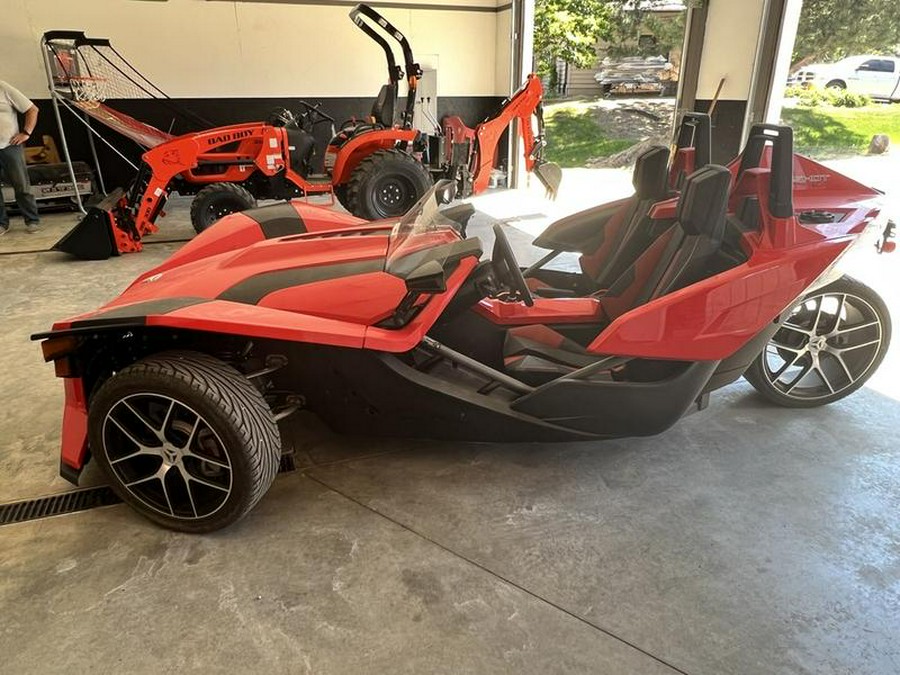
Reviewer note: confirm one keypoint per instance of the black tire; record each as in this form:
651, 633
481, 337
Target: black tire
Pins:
218, 200
340, 193
837, 360
836, 84
386, 184
185, 440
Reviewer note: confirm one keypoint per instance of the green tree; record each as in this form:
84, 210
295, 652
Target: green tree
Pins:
833, 29
630, 20
568, 30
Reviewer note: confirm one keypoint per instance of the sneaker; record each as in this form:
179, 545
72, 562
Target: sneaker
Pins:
31, 228
3, 229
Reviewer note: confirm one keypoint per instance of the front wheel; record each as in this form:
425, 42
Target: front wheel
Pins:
217, 201
386, 184
185, 440
832, 342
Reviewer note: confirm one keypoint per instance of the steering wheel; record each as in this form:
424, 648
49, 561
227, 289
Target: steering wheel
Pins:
315, 110
506, 267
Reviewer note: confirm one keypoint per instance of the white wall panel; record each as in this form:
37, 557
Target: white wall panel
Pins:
195, 48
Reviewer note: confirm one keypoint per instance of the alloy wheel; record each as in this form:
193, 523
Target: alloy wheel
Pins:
827, 345
167, 456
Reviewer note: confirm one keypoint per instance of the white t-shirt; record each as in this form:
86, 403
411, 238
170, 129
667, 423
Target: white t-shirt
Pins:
11, 100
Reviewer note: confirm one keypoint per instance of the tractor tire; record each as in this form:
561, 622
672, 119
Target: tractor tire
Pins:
386, 184
185, 440
218, 200
340, 193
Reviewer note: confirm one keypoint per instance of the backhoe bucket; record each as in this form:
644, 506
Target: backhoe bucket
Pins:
550, 176
96, 236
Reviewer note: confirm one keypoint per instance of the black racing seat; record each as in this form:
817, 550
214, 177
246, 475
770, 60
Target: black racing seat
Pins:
651, 185
608, 240
689, 251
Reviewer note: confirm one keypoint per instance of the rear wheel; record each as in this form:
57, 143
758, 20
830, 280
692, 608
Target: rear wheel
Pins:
217, 201
832, 342
185, 440
386, 184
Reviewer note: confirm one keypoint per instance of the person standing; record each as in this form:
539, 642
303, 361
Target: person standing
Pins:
12, 154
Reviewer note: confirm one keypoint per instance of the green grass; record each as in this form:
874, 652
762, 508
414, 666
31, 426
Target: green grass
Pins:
829, 132
574, 137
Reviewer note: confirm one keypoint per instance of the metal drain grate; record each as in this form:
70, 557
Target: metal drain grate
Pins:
81, 500
56, 505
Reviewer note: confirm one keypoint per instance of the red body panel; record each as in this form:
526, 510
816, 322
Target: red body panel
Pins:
545, 310
365, 298
714, 318
234, 318
406, 338
75, 423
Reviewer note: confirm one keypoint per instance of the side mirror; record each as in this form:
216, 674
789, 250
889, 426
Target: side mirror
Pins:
445, 191
427, 278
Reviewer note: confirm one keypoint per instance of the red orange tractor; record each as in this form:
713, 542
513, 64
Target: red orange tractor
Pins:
377, 168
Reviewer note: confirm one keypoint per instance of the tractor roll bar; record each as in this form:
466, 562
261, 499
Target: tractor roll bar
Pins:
413, 70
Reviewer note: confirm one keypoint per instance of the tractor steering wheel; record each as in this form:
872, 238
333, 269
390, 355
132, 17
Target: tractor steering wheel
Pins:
507, 270
315, 111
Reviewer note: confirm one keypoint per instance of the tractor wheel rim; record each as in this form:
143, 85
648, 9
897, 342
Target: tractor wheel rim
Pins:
827, 345
167, 456
220, 211
392, 196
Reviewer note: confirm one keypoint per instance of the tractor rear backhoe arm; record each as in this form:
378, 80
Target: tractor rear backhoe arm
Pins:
522, 106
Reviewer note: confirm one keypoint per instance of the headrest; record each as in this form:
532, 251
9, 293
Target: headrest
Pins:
704, 201
651, 173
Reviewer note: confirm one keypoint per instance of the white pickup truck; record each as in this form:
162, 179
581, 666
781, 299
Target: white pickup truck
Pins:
877, 76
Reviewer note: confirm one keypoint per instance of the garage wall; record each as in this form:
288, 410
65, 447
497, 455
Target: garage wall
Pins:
198, 48
729, 51
729, 48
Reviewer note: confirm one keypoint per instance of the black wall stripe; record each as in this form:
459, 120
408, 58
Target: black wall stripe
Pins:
381, 5
278, 220
222, 111
250, 291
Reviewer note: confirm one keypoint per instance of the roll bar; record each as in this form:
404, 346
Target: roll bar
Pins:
359, 15
781, 192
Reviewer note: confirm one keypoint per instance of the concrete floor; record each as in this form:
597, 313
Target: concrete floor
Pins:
747, 539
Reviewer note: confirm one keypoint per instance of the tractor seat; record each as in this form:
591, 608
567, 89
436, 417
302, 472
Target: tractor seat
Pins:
381, 117
383, 107
538, 353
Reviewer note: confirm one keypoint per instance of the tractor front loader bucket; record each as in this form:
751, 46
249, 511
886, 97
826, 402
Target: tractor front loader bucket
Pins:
550, 176
100, 234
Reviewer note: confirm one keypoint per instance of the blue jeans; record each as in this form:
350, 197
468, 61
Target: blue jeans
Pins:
13, 172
